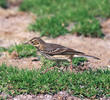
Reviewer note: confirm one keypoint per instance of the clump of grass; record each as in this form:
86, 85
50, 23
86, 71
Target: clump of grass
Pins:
3, 3
79, 61
50, 27
88, 84
23, 50
47, 63
2, 49
53, 16
87, 27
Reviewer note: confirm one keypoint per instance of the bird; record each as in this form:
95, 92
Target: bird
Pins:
58, 52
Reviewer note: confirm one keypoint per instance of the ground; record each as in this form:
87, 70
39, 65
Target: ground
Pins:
13, 29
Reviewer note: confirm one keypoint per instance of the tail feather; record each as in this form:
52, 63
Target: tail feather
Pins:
92, 57
87, 56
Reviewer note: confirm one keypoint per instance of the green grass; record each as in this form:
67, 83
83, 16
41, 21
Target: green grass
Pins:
87, 27
86, 84
23, 50
2, 49
49, 27
79, 61
53, 16
3, 3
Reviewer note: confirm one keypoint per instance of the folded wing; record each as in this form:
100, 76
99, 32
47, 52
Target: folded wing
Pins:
60, 50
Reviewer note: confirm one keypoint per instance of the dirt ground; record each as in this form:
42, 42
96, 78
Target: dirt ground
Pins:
13, 30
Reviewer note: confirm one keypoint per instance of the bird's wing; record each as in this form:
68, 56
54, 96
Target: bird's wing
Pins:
55, 49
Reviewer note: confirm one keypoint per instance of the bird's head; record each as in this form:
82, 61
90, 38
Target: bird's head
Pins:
36, 42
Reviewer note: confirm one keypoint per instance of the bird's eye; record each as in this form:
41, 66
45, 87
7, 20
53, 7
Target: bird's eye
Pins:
32, 42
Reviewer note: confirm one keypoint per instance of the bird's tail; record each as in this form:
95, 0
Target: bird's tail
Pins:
87, 56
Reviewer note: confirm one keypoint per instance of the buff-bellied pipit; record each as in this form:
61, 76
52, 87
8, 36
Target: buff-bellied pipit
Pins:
55, 51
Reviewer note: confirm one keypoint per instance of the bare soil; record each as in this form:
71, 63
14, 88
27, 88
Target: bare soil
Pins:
14, 30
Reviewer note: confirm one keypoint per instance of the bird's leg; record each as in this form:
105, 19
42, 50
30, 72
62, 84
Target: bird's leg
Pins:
71, 65
58, 63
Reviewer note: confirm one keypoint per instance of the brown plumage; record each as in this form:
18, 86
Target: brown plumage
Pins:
50, 50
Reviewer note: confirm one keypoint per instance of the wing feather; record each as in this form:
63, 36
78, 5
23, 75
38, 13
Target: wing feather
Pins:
55, 49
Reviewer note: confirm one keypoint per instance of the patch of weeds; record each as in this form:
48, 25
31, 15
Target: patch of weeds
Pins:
89, 84
23, 50
78, 61
2, 49
87, 27
53, 16
52, 26
47, 63
3, 3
